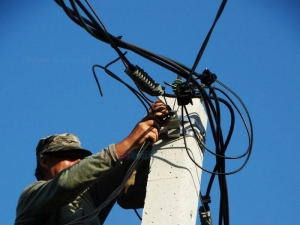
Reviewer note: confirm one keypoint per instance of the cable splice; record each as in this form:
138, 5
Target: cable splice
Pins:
144, 81
205, 216
207, 77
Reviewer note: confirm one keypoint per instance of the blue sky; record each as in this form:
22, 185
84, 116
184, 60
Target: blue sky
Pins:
47, 87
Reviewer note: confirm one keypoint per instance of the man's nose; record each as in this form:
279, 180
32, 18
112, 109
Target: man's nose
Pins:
77, 161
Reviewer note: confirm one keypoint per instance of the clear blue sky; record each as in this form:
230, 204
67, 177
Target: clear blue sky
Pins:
47, 87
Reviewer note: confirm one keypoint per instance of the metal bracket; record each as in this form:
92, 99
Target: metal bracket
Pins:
175, 130
194, 121
174, 127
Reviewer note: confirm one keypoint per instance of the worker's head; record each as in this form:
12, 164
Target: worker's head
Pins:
57, 152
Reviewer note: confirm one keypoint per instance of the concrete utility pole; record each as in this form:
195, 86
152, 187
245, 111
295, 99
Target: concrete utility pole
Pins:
174, 180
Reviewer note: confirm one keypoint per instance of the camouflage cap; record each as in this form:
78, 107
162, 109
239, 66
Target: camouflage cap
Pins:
59, 142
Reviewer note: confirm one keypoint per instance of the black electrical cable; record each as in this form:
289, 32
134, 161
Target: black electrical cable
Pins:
228, 136
222, 6
115, 193
70, 13
95, 76
243, 119
220, 162
99, 35
224, 211
100, 21
135, 92
210, 101
104, 31
220, 147
160, 60
206, 219
224, 205
143, 99
217, 116
250, 135
137, 214
124, 59
208, 171
222, 179
83, 22
209, 106
217, 166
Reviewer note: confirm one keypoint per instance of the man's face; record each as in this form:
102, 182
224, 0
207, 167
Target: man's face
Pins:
62, 160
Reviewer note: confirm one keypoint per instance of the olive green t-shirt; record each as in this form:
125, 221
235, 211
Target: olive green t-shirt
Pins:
72, 194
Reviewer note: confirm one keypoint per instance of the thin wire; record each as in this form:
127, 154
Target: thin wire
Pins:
95, 76
100, 21
222, 6
138, 215
104, 32
115, 193
124, 59
142, 99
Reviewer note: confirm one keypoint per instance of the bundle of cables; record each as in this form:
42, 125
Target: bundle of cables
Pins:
195, 86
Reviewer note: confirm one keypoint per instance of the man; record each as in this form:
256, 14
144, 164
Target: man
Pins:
72, 182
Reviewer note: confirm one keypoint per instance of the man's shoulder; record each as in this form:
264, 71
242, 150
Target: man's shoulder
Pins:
32, 187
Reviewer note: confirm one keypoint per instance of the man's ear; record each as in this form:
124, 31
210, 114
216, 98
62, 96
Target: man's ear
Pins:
44, 162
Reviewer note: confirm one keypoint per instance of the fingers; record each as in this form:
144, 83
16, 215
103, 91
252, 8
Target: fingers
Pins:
148, 128
151, 135
159, 110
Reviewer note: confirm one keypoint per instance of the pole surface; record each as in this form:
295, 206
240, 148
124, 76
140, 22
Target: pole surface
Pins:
173, 186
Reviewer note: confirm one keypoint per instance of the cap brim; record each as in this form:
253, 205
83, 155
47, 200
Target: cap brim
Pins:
65, 148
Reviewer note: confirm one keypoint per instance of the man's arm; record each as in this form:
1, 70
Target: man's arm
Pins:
147, 129
42, 198
112, 180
